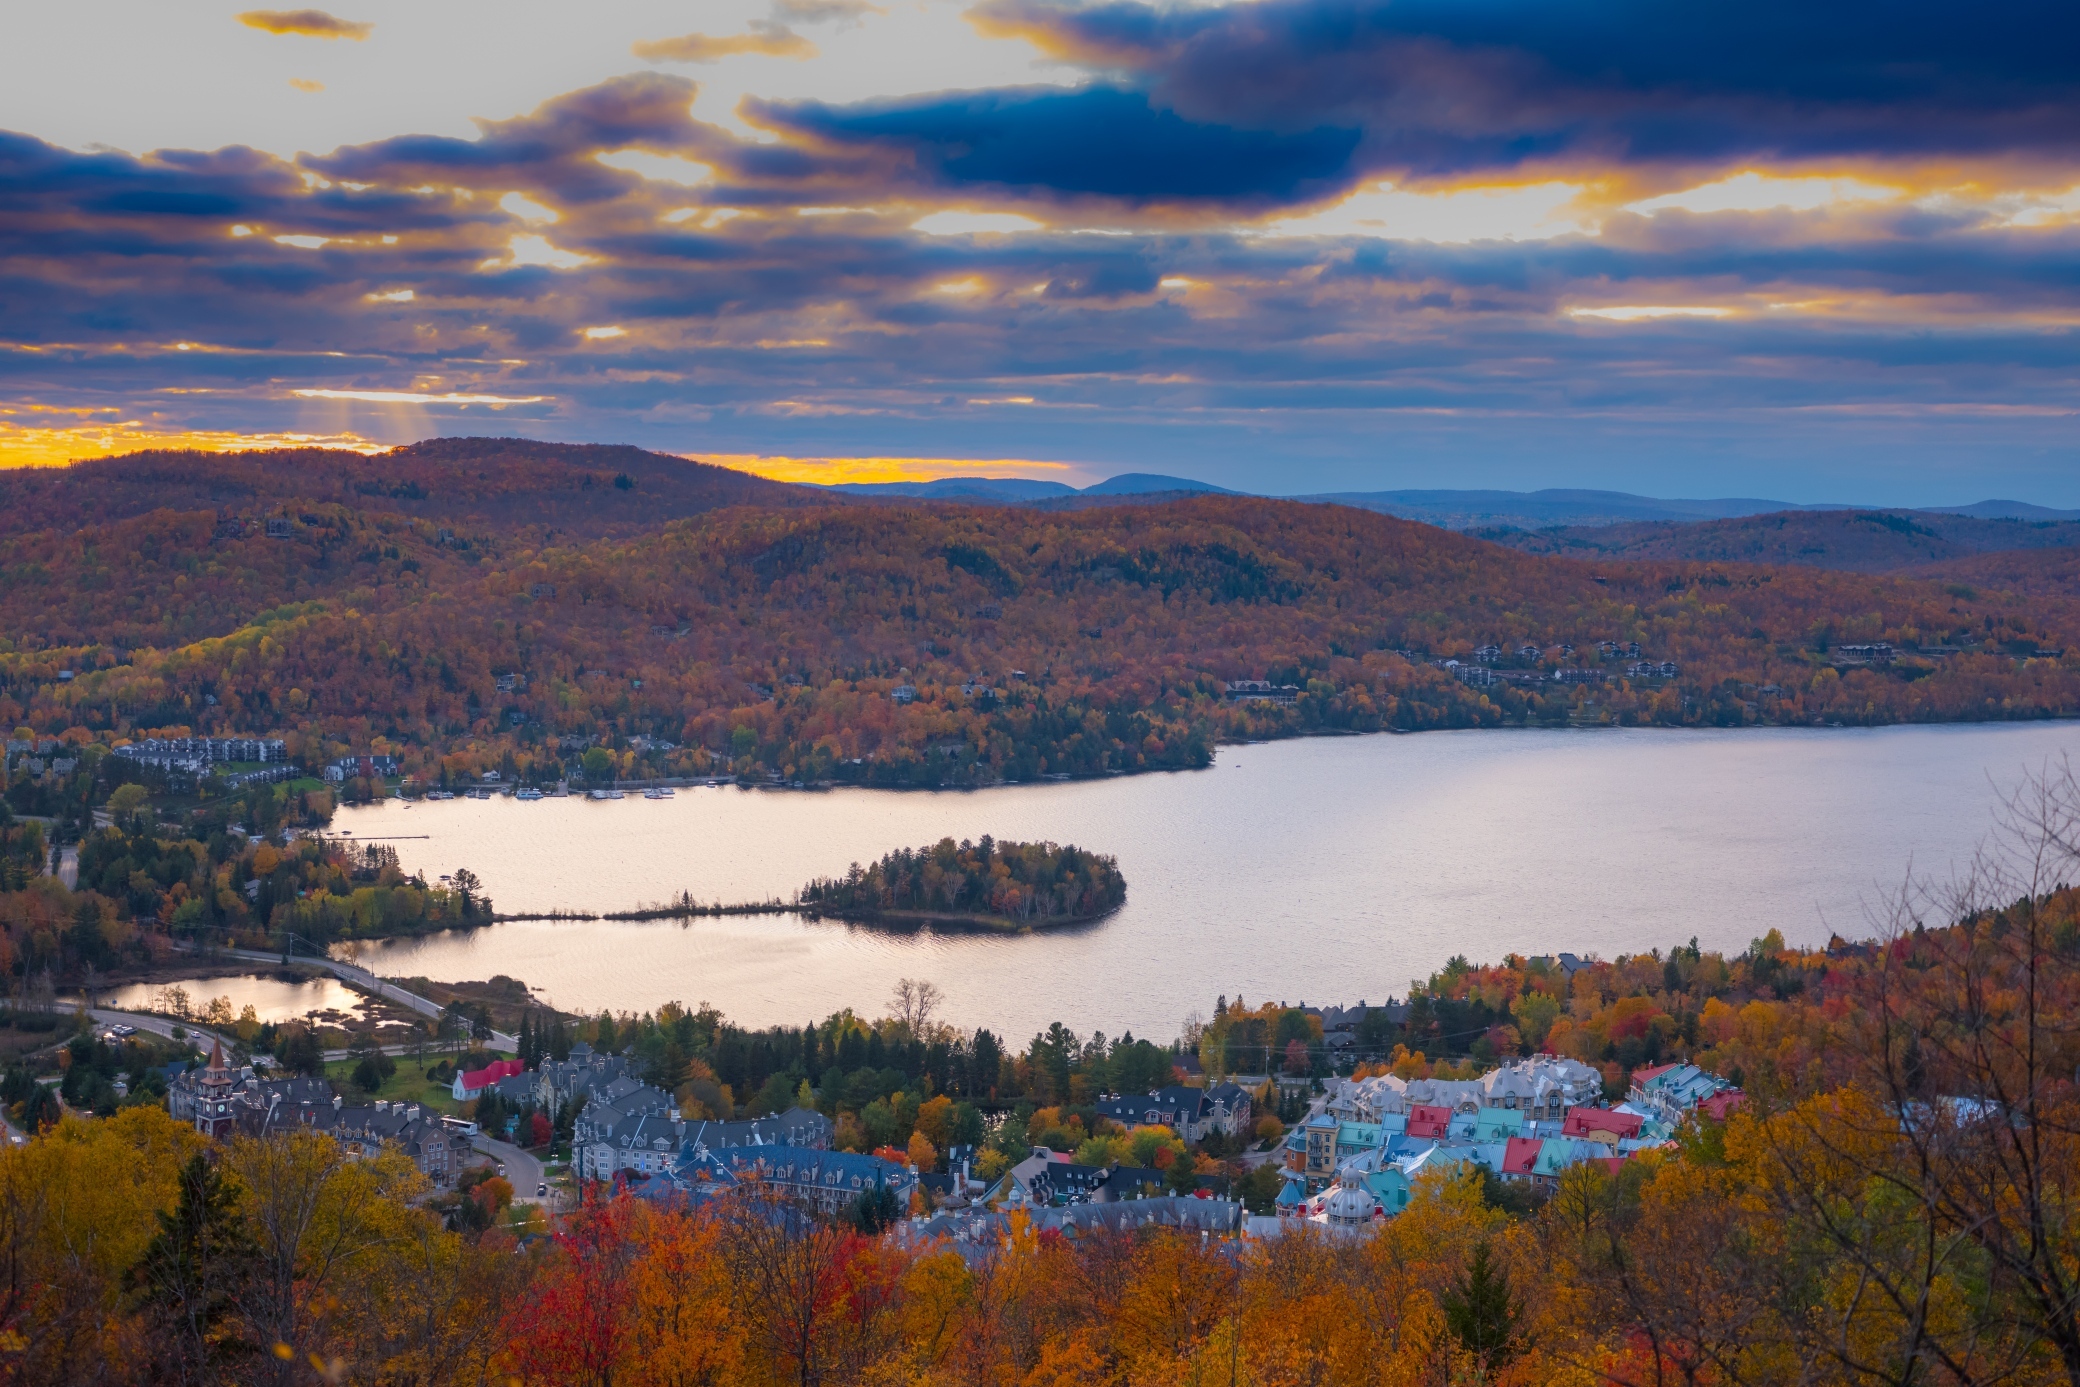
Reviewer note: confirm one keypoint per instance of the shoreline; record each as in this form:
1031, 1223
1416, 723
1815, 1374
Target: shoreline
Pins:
710, 782
899, 921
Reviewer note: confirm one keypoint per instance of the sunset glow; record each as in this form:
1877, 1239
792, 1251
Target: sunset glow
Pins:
1414, 247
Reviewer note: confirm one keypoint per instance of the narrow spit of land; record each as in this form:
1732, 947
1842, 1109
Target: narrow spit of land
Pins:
980, 885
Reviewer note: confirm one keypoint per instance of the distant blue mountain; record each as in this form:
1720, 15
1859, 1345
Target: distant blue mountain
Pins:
960, 489
2006, 510
1453, 510
1141, 483
1467, 510
1014, 489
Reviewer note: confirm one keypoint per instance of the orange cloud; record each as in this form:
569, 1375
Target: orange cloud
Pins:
769, 40
311, 23
827, 471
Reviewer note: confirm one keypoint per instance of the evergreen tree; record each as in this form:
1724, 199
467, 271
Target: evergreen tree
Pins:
1481, 1312
873, 1210
607, 1043
191, 1276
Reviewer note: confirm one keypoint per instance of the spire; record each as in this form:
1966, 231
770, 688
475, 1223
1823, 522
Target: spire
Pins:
216, 1052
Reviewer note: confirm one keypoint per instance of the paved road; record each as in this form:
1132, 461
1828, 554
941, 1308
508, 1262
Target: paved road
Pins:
361, 977
158, 1025
523, 1171
68, 867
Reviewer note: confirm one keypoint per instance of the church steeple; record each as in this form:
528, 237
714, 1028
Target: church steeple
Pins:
213, 1094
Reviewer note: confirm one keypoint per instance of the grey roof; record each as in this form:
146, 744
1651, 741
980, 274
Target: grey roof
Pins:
795, 1127
975, 1231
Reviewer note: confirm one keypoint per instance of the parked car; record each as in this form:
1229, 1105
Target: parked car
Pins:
541, 1191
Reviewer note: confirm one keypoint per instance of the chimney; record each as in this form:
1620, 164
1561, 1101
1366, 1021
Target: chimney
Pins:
382, 1105
337, 1101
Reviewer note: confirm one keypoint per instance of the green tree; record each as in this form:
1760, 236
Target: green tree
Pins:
192, 1274
598, 764
1482, 1313
1535, 1013
126, 809
299, 1051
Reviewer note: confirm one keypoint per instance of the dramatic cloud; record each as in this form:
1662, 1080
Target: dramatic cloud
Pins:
1445, 89
769, 40
1096, 141
1284, 245
311, 23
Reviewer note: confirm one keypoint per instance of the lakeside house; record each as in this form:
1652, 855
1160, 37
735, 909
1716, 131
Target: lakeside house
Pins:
360, 768
1262, 691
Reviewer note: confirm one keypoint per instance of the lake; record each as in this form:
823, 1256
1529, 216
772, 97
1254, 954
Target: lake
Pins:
1322, 870
272, 998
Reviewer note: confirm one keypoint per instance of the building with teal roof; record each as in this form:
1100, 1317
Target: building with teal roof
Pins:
1498, 1124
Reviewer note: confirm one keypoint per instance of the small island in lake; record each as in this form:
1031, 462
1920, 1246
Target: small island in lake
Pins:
983, 884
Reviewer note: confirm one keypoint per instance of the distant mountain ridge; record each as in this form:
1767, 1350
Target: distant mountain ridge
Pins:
1450, 509
1529, 510
1926, 543
1016, 490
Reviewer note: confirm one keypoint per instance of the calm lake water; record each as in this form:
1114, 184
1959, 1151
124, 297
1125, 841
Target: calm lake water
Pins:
272, 999
1319, 870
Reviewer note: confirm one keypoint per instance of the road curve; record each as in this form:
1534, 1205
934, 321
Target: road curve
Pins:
523, 1171
358, 976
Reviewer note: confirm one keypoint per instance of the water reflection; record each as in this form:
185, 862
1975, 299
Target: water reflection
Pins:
272, 999
1319, 870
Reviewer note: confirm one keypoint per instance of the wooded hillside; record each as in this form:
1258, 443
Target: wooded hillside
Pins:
1857, 541
811, 638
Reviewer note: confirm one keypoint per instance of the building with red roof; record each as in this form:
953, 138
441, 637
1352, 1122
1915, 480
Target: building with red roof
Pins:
471, 1082
1601, 1124
1720, 1105
1429, 1120
1520, 1157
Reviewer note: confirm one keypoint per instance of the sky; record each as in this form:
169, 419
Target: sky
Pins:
1811, 253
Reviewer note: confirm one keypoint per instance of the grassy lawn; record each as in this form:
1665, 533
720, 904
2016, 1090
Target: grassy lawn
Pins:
408, 1085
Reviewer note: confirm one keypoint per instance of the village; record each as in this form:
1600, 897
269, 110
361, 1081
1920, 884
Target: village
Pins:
589, 1124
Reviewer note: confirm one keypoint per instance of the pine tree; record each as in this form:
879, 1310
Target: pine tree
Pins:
560, 1040
1481, 1312
525, 1039
192, 1273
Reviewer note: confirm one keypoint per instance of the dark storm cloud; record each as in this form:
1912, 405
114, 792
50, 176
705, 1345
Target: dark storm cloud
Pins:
1445, 88
1098, 141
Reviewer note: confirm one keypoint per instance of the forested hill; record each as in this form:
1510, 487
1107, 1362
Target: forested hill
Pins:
1861, 541
986, 882
581, 490
796, 635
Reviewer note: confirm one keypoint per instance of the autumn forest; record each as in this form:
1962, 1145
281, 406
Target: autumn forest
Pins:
493, 604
